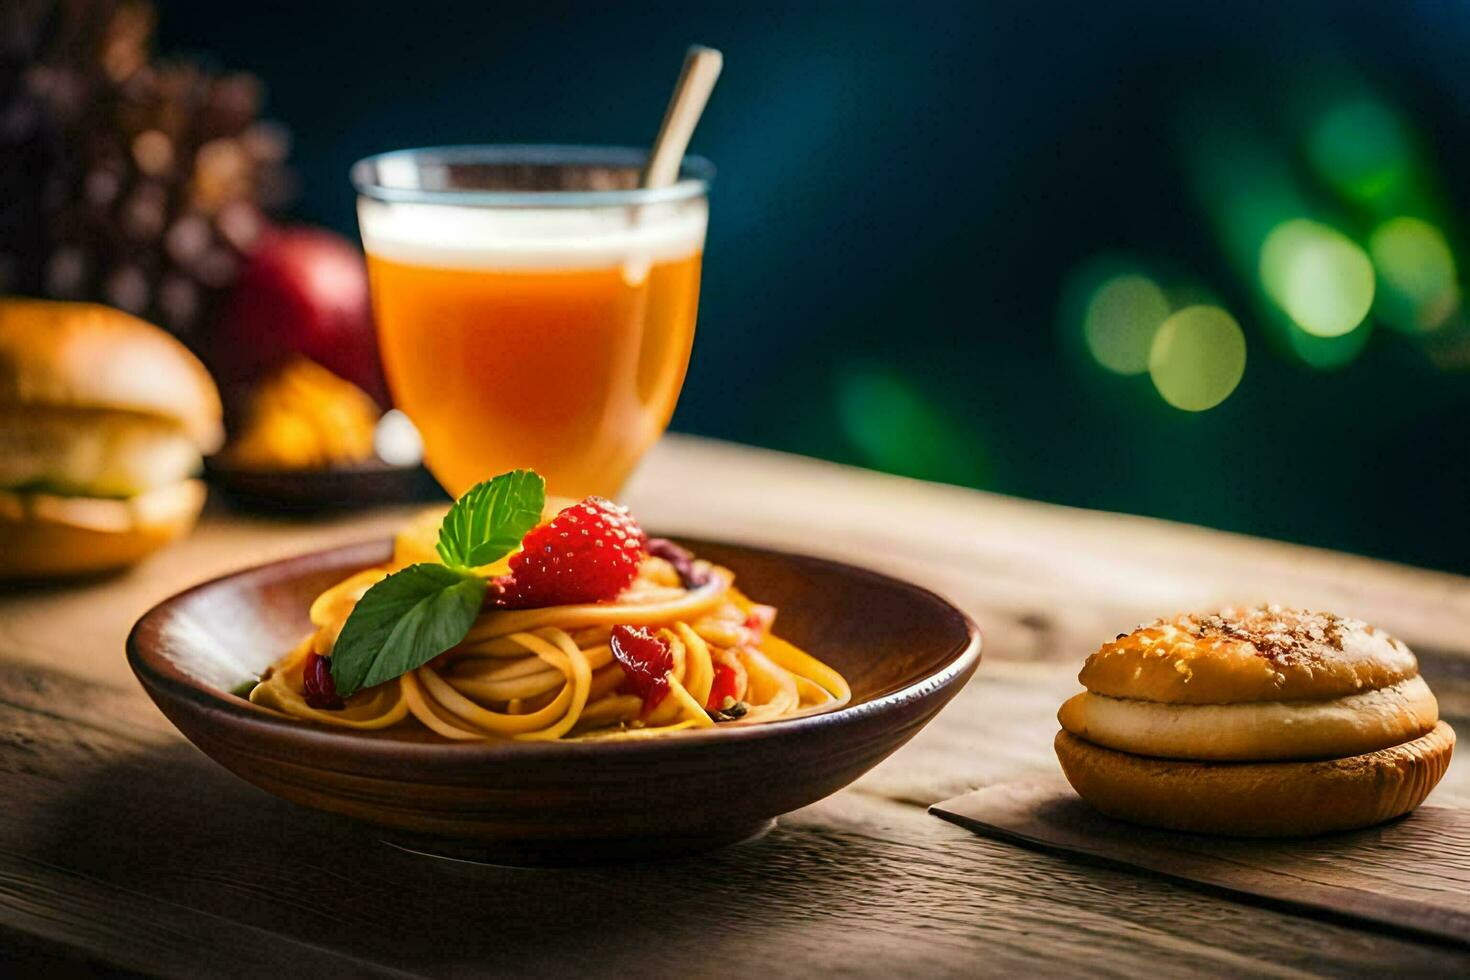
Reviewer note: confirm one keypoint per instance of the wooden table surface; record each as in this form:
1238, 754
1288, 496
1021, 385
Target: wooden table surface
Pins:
122, 846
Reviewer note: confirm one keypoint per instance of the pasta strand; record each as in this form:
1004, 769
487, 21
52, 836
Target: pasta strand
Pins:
546, 674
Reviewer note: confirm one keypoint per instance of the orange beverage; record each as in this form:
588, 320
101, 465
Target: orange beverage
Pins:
551, 330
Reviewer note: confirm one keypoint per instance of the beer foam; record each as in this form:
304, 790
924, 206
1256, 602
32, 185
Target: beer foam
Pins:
454, 237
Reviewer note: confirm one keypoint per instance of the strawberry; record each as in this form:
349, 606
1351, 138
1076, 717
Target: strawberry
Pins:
588, 552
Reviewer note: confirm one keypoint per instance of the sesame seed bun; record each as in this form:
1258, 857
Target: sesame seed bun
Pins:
1265, 653
1258, 799
1255, 722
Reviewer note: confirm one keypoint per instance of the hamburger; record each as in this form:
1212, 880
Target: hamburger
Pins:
103, 423
1257, 722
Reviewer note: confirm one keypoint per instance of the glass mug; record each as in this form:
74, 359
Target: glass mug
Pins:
535, 307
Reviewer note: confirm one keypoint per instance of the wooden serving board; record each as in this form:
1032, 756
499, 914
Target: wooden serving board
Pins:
1411, 874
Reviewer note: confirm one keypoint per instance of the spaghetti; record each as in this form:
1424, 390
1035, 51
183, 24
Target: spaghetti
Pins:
555, 672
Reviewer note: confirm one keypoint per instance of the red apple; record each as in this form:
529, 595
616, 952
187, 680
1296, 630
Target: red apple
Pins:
303, 291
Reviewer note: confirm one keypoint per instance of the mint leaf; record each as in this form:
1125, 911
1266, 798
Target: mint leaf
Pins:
418, 612
490, 520
403, 622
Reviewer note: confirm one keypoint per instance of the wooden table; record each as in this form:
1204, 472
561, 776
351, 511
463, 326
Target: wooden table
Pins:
120, 845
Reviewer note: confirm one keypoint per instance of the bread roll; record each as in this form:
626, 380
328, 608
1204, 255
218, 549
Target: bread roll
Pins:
1258, 799
103, 423
1257, 722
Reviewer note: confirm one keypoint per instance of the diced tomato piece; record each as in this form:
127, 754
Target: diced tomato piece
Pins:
726, 685
760, 619
646, 660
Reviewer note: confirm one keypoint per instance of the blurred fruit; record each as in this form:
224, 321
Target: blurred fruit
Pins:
303, 416
134, 182
304, 292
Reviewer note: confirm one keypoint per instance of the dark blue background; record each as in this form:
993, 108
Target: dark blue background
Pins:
903, 189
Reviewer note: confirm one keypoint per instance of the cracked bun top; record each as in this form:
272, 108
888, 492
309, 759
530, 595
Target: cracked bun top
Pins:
1262, 653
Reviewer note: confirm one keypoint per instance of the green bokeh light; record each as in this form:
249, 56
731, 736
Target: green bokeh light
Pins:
1328, 353
1197, 358
1318, 277
1120, 321
1419, 288
1361, 148
897, 427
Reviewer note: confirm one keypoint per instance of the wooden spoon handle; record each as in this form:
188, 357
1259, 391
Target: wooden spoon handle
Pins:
696, 81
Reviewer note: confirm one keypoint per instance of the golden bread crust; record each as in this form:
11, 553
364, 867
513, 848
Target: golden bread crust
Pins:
82, 355
1263, 653
1254, 731
43, 535
1258, 799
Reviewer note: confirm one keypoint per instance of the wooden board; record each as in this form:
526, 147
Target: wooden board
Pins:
121, 843
1411, 875
121, 846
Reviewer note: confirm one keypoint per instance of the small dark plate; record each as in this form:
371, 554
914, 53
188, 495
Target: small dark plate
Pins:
364, 484
904, 650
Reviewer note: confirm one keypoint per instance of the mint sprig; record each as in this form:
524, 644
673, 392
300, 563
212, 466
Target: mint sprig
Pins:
403, 622
491, 519
418, 612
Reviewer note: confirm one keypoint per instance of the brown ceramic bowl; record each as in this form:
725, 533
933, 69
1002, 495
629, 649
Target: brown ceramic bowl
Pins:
362, 484
905, 651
